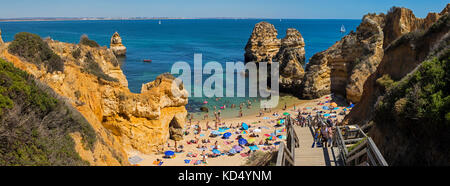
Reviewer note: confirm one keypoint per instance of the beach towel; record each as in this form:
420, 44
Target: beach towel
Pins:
266, 118
254, 147
244, 155
135, 159
264, 127
160, 163
257, 130
201, 135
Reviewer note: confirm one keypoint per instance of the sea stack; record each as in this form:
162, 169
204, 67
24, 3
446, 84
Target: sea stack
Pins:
117, 46
291, 57
264, 46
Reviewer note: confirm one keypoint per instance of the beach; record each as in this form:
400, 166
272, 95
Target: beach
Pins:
264, 125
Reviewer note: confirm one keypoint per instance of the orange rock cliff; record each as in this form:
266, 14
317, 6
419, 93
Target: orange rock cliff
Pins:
122, 120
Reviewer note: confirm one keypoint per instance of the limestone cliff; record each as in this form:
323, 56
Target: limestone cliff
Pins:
94, 84
264, 46
1, 40
344, 67
405, 101
116, 45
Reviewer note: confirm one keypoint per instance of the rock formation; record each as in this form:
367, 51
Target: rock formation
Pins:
96, 86
264, 46
344, 67
1, 40
116, 45
393, 106
291, 57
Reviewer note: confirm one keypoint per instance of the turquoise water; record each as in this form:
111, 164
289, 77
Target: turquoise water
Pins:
220, 40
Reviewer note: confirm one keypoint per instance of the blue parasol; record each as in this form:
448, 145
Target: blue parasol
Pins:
169, 153
244, 126
226, 135
242, 141
254, 147
215, 151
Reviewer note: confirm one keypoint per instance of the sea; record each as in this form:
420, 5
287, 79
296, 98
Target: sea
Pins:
174, 40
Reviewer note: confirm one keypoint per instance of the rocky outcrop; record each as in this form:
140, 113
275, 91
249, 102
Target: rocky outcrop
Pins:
344, 67
116, 45
264, 46
122, 120
405, 125
1, 40
291, 57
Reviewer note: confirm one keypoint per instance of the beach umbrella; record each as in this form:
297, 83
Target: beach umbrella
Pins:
254, 147
215, 151
281, 137
226, 135
326, 115
269, 138
325, 108
242, 141
244, 132
267, 135
238, 148
214, 132
333, 104
223, 129
336, 108
221, 107
286, 113
232, 151
205, 102
244, 126
251, 140
169, 153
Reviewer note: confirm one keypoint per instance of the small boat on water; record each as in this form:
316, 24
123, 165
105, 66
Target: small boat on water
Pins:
342, 29
159, 22
147, 60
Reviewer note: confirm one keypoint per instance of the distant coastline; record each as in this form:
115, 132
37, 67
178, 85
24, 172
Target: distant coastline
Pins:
128, 18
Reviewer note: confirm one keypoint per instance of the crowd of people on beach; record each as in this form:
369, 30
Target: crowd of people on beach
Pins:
243, 139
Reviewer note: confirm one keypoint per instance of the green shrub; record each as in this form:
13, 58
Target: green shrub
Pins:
385, 81
76, 53
92, 67
35, 123
84, 40
35, 50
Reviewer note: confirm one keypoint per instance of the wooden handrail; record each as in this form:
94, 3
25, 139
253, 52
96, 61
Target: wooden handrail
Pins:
286, 152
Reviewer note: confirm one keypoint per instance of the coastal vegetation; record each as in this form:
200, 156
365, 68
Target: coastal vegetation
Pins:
35, 123
92, 67
418, 107
84, 40
35, 50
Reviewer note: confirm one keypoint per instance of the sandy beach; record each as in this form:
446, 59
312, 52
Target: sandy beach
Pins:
260, 126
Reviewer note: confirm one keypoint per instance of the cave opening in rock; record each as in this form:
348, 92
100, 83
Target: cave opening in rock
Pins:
175, 130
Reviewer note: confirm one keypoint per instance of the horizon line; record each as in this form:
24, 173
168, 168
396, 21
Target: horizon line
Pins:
142, 18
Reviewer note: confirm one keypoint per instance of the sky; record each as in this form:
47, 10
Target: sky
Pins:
302, 9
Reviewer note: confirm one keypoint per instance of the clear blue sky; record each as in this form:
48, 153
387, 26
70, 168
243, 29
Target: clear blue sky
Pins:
338, 9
